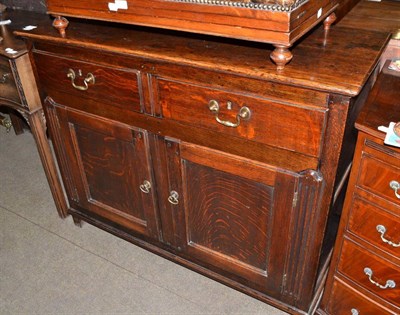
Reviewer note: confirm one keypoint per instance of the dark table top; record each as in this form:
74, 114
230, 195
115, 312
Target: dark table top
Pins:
19, 19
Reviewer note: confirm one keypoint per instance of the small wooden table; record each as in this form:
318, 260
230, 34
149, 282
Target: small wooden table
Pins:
19, 91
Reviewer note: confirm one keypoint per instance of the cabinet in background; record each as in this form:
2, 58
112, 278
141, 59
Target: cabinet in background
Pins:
19, 92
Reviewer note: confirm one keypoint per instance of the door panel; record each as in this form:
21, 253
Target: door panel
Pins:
228, 215
234, 215
110, 164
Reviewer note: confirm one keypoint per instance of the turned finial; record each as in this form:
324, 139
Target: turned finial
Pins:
329, 21
60, 23
281, 56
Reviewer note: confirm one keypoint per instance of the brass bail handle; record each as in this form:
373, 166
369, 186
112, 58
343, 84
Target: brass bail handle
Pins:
382, 231
90, 79
395, 185
390, 284
243, 114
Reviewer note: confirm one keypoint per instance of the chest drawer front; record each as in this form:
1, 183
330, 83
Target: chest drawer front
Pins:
372, 272
116, 87
376, 226
285, 126
8, 89
346, 300
377, 176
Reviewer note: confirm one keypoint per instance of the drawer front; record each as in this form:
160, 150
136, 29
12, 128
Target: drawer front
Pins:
372, 272
346, 300
377, 176
116, 87
376, 226
8, 89
285, 126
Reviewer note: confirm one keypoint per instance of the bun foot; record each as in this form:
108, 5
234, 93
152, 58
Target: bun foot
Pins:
281, 56
60, 23
329, 21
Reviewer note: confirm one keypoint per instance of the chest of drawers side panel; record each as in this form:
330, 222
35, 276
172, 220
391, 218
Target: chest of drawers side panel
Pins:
370, 211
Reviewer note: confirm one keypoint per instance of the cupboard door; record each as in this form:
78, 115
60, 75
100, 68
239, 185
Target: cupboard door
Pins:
106, 167
233, 214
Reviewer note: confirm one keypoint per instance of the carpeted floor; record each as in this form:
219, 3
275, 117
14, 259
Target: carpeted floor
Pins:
50, 266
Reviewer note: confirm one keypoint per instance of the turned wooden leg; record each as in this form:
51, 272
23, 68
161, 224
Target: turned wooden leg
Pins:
281, 56
329, 21
77, 222
60, 23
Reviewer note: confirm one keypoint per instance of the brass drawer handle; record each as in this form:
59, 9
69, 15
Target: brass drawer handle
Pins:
382, 230
173, 197
244, 114
396, 187
145, 187
390, 284
354, 311
4, 77
90, 79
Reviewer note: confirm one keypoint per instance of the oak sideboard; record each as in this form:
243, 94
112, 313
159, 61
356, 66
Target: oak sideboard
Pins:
198, 150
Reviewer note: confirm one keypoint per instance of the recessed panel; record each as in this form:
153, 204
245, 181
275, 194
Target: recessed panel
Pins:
228, 215
108, 171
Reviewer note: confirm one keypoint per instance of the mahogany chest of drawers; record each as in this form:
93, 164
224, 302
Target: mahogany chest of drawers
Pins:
198, 150
365, 273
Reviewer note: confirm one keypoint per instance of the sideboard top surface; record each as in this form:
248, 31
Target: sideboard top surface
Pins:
338, 62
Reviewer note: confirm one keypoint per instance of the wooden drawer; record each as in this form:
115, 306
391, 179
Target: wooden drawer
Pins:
115, 87
290, 127
376, 175
354, 262
347, 301
8, 89
376, 226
